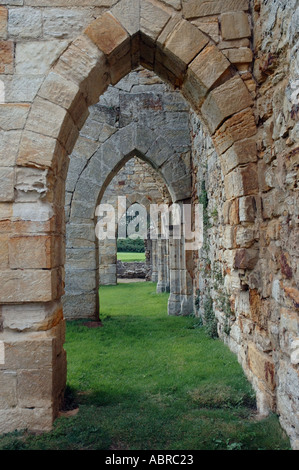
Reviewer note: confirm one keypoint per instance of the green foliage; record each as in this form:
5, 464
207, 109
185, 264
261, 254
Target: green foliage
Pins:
203, 199
128, 245
149, 381
210, 321
214, 214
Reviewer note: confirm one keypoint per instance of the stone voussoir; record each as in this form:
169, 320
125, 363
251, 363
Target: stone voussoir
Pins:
203, 72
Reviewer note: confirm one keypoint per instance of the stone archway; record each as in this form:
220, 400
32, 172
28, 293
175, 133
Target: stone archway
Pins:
178, 51
90, 188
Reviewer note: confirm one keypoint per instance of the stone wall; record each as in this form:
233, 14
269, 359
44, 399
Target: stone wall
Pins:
133, 270
256, 309
236, 63
273, 293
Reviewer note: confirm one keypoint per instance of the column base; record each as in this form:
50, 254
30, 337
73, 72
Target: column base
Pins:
32, 379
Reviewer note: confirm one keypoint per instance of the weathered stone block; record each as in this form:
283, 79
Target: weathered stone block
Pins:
9, 143
159, 152
173, 3
168, 29
244, 237
35, 252
242, 304
8, 386
31, 317
238, 127
245, 258
292, 294
13, 116
3, 22
202, 73
36, 419
6, 57
83, 305
84, 64
39, 150
241, 55
28, 351
184, 43
80, 281
240, 153
12, 2
30, 184
174, 169
295, 352
262, 366
4, 263
224, 101
108, 34
197, 8
209, 65
152, 19
228, 237
6, 210
25, 23
235, 25
232, 212
210, 26
21, 89
127, 13
241, 181
36, 57
30, 285
143, 139
46, 118
181, 189
35, 388
247, 209
81, 258
61, 23
7, 178
58, 90
51, 120
82, 212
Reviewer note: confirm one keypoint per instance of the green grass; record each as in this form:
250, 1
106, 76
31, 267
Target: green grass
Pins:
147, 381
129, 257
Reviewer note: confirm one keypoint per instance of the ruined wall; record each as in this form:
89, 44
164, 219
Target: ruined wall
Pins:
256, 312
274, 292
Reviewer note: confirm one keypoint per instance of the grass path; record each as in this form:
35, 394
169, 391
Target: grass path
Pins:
129, 257
147, 381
